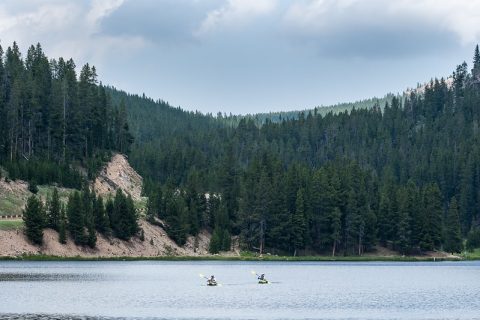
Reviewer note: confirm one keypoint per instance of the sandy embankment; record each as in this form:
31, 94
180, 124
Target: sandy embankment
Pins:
117, 174
14, 243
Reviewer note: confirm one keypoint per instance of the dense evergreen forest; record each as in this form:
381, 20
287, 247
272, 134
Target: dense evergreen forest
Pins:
405, 175
261, 118
59, 128
53, 121
83, 216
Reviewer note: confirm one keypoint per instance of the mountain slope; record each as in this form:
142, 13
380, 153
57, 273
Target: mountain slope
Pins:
324, 183
116, 174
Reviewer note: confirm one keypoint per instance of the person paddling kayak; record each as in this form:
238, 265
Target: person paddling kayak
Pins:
212, 281
261, 279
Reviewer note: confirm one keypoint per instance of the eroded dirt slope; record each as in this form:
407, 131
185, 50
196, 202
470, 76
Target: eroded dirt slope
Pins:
118, 174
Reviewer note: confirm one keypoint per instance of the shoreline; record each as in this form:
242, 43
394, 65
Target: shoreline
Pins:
40, 257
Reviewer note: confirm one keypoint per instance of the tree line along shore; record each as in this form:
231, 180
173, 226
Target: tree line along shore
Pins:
403, 175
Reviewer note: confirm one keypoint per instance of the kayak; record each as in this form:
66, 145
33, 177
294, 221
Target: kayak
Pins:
211, 284
262, 281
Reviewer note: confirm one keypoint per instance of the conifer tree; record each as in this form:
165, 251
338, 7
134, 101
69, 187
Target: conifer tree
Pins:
403, 228
453, 237
102, 223
476, 61
62, 227
215, 242
298, 223
34, 217
76, 218
336, 225
53, 210
473, 239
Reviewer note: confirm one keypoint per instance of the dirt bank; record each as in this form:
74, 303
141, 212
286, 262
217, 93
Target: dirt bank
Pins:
14, 243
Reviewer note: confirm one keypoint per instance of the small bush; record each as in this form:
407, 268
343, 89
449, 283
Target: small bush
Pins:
473, 239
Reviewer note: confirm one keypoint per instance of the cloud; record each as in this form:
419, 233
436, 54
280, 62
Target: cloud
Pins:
100, 9
167, 22
65, 28
234, 13
460, 16
374, 29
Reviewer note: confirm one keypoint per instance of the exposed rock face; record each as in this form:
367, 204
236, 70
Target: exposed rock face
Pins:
118, 174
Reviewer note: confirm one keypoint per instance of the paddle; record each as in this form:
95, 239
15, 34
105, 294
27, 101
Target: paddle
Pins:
258, 277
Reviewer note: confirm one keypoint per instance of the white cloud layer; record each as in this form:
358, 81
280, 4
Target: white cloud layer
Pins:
235, 13
316, 16
251, 55
64, 28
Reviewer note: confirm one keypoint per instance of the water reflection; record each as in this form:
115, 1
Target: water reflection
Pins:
4, 276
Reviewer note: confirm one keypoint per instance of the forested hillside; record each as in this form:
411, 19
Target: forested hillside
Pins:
51, 116
59, 128
405, 175
261, 118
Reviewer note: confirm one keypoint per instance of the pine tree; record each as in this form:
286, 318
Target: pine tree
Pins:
62, 232
298, 223
476, 62
53, 210
76, 218
226, 241
336, 227
102, 223
431, 231
34, 217
453, 237
123, 219
215, 242
473, 239
403, 225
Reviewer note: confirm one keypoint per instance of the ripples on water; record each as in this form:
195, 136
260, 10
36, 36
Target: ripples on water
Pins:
173, 290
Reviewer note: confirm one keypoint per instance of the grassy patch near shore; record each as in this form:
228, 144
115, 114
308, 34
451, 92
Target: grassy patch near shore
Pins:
11, 224
11, 204
246, 257
472, 255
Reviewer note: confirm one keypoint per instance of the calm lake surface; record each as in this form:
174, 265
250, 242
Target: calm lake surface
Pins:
300, 290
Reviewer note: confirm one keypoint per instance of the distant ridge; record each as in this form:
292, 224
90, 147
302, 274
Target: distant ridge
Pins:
261, 118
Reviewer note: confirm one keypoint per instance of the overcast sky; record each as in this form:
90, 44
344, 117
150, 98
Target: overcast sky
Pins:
247, 56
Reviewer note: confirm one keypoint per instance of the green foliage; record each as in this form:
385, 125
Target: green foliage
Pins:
473, 239
51, 121
101, 218
11, 224
215, 242
123, 216
381, 173
298, 223
54, 210
32, 187
34, 217
336, 182
76, 218
62, 228
87, 214
453, 241
220, 241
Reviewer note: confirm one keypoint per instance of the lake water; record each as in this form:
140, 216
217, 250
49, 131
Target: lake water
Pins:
300, 290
